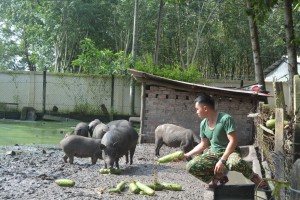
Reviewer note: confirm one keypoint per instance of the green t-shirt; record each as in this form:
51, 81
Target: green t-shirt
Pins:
218, 135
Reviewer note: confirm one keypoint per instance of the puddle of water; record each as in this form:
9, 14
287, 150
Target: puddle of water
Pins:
33, 132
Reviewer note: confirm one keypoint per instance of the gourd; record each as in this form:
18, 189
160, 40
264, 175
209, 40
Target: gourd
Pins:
133, 188
110, 171
144, 188
178, 155
65, 182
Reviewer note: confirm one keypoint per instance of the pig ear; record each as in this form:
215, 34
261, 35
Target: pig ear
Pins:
115, 144
102, 146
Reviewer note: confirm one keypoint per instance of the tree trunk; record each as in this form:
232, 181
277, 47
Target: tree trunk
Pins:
291, 49
180, 46
200, 30
133, 52
26, 52
57, 56
134, 33
158, 30
259, 76
127, 42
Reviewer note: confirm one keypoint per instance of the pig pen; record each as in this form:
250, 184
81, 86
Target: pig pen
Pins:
29, 171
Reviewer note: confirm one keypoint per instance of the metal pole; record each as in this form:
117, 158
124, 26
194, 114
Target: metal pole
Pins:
112, 97
44, 91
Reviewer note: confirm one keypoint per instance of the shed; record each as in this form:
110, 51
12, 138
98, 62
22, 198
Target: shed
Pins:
169, 101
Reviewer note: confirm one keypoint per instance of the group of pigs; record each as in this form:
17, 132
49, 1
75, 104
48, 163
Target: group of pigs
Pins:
115, 139
119, 138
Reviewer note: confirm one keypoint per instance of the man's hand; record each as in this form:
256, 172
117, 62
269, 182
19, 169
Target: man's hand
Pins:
219, 168
180, 159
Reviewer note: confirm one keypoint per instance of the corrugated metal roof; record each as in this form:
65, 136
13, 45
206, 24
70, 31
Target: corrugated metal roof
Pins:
157, 80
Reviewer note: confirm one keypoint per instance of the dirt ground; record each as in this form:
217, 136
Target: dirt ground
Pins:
30, 174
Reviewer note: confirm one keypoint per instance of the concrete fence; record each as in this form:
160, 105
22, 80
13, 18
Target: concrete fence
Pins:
67, 92
78, 93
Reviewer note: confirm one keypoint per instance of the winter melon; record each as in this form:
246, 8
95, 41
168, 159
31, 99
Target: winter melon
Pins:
65, 182
170, 157
271, 123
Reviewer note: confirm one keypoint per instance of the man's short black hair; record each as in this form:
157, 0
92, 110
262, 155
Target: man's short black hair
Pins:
205, 99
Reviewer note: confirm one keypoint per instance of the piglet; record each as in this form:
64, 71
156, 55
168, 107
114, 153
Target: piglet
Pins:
81, 129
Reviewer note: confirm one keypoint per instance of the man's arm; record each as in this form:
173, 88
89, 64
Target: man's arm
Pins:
233, 141
199, 148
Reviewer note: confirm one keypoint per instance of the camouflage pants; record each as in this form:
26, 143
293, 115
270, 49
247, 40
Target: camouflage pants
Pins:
202, 166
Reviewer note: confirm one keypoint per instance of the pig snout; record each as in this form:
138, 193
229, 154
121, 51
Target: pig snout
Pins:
109, 160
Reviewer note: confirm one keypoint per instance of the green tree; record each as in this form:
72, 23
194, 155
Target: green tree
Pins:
259, 76
291, 48
209, 35
20, 29
95, 61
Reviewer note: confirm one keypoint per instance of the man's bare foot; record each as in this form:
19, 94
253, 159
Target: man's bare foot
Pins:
259, 182
216, 182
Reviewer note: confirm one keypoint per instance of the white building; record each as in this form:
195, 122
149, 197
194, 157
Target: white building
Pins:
279, 72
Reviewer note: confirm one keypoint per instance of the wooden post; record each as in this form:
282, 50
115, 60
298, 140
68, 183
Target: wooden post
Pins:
278, 91
279, 137
278, 148
132, 96
296, 142
279, 96
260, 131
142, 114
296, 139
295, 181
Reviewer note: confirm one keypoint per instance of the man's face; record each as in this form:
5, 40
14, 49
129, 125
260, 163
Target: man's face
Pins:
201, 110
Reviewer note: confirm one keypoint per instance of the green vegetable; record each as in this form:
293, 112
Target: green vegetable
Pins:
145, 188
133, 188
143, 193
114, 190
104, 171
170, 157
271, 123
110, 171
121, 185
171, 186
65, 182
156, 186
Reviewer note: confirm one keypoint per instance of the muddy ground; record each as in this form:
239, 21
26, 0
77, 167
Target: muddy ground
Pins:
30, 174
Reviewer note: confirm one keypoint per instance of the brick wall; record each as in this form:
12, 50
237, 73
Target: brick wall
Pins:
165, 105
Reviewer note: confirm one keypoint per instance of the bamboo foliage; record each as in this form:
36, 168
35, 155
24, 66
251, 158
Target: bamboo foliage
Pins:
212, 35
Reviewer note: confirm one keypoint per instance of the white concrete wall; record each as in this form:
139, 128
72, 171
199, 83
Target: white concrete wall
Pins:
269, 87
67, 92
